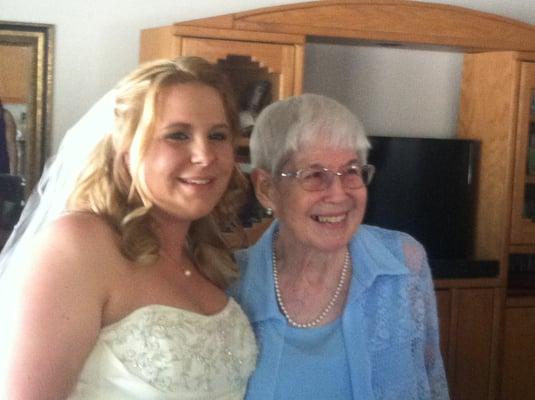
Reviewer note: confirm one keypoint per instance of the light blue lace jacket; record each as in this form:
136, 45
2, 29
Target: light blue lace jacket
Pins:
389, 323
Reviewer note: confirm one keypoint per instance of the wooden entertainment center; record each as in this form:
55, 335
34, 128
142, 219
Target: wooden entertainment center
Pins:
488, 323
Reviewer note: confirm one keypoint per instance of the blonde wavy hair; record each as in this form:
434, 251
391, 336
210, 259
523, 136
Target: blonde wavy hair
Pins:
111, 189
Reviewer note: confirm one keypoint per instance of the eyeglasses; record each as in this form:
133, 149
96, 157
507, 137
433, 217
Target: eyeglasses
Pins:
318, 178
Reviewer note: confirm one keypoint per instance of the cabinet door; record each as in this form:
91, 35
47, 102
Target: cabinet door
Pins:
282, 64
444, 319
523, 210
473, 344
519, 354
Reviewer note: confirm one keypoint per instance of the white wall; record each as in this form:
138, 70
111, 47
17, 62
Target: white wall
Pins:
97, 42
395, 92
400, 92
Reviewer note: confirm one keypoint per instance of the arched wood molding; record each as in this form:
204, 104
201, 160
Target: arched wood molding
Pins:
395, 21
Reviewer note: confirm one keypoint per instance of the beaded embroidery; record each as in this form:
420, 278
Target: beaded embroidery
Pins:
179, 351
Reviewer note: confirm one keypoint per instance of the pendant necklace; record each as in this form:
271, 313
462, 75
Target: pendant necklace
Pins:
187, 271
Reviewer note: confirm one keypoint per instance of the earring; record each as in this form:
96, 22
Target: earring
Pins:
269, 211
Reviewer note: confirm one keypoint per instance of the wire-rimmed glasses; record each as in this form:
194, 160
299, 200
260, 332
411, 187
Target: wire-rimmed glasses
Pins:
313, 179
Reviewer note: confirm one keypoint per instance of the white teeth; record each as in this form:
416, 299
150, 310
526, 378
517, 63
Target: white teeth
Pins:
331, 220
197, 181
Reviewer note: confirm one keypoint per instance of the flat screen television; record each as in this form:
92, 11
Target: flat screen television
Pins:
425, 187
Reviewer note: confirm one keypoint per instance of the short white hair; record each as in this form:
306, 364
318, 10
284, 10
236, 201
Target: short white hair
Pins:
286, 126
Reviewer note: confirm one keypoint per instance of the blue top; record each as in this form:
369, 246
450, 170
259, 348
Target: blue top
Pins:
312, 347
389, 325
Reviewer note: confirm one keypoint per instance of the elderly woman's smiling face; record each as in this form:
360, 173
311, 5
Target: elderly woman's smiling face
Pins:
324, 219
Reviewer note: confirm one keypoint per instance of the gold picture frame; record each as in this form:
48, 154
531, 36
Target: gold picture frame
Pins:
26, 80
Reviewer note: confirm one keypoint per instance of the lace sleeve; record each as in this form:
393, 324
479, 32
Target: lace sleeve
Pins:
424, 307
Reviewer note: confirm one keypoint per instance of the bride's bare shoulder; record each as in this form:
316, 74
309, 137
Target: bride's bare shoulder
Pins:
79, 233
74, 223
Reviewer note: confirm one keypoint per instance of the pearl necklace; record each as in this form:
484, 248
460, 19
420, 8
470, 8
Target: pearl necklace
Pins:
329, 306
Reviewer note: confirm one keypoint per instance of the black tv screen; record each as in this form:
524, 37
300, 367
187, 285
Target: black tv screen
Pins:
425, 187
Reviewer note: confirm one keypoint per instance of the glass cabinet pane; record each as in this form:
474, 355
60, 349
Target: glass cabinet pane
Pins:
523, 206
529, 191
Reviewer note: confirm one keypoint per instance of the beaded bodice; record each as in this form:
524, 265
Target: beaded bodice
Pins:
160, 352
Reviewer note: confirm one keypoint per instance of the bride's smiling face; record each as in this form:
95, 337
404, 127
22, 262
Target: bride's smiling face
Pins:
190, 157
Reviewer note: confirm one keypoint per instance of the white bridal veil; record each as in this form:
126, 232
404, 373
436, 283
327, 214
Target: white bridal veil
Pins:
49, 197
46, 202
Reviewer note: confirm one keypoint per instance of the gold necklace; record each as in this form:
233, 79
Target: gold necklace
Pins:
187, 271
329, 306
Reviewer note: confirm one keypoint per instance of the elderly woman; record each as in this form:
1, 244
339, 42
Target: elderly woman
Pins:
341, 310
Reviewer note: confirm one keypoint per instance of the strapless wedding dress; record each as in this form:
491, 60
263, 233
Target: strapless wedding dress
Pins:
159, 353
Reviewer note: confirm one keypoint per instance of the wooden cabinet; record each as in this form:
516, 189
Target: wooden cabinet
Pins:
276, 57
247, 61
469, 318
495, 109
519, 350
444, 319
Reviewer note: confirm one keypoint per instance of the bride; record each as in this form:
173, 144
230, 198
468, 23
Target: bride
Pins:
114, 279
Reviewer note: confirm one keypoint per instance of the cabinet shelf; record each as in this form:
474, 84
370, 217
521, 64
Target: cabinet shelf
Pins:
523, 282
522, 273
530, 179
520, 297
